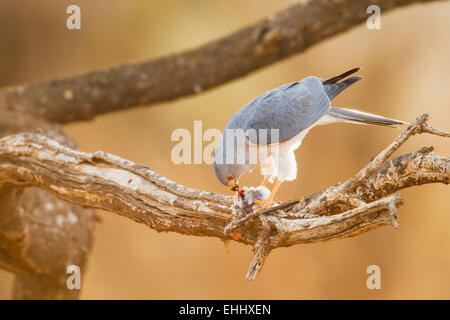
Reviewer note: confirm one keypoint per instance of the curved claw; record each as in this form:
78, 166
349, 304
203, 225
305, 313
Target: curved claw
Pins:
269, 201
263, 204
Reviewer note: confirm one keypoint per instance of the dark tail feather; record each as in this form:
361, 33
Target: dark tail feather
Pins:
333, 89
341, 76
359, 117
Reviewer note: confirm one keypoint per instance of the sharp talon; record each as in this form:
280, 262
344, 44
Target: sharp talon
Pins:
269, 201
264, 205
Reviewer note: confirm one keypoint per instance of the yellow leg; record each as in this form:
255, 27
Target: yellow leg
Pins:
264, 182
269, 200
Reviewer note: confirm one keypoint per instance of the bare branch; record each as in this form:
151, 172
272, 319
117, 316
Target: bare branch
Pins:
261, 250
413, 128
100, 180
40, 234
286, 33
434, 131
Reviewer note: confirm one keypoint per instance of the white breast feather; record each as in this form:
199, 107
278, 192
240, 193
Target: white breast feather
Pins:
282, 164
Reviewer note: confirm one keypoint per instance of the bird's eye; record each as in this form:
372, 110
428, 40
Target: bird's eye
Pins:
230, 177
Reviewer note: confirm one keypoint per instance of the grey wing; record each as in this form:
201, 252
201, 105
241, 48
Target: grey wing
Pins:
333, 89
291, 109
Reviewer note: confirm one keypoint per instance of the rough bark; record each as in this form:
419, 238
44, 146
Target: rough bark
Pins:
40, 234
277, 37
100, 180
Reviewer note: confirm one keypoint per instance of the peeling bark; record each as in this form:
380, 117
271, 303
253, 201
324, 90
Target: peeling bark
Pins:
100, 180
40, 234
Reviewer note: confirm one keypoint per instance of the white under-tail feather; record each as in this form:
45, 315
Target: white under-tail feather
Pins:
354, 116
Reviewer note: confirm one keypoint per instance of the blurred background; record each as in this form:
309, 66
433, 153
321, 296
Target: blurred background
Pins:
406, 70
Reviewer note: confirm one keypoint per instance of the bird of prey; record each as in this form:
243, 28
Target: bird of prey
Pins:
271, 127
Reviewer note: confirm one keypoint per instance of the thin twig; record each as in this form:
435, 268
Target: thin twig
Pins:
104, 181
413, 128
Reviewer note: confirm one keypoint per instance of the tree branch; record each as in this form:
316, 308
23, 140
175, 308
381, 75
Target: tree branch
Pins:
100, 180
288, 32
40, 235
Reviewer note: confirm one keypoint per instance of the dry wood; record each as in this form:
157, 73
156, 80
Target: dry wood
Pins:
104, 181
38, 238
41, 233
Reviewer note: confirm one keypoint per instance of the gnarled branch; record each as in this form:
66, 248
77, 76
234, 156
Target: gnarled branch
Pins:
100, 180
40, 234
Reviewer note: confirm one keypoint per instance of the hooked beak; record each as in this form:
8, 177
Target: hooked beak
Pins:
233, 186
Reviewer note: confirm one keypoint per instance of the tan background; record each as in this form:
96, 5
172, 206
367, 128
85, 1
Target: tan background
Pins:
406, 72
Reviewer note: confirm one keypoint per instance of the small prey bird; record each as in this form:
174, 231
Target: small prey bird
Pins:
268, 129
